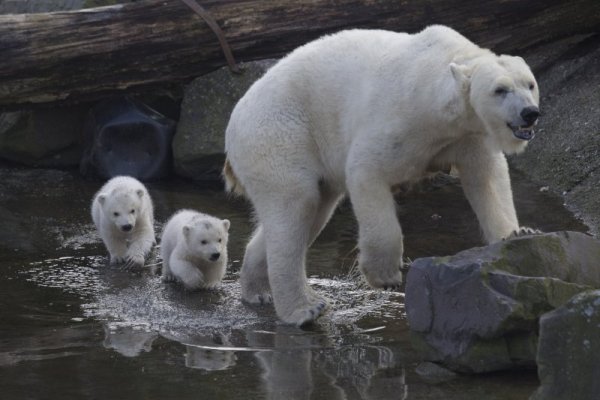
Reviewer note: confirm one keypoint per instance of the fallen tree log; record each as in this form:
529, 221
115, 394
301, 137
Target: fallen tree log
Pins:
76, 55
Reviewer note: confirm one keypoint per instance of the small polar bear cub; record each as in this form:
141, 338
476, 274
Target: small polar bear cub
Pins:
194, 249
124, 216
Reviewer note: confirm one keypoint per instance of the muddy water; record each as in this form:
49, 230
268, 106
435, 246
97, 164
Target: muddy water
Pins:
71, 327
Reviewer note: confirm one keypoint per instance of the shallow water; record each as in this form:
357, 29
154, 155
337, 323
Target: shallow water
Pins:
73, 327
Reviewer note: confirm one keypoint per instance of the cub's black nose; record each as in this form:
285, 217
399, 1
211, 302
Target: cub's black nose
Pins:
530, 114
126, 228
215, 256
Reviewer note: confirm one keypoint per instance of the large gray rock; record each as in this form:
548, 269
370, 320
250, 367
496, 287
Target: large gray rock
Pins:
43, 137
569, 350
199, 142
478, 310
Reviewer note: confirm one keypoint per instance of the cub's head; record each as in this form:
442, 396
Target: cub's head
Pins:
122, 207
504, 95
207, 238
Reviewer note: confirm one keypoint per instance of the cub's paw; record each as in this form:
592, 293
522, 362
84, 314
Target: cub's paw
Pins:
523, 231
134, 262
168, 277
114, 260
258, 299
304, 312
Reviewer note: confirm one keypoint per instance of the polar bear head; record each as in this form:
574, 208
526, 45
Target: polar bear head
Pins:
122, 207
504, 95
206, 238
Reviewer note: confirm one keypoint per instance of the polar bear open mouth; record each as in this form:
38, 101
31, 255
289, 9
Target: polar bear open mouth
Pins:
522, 132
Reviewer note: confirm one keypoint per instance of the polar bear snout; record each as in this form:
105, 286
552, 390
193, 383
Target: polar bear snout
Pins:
215, 256
126, 227
530, 114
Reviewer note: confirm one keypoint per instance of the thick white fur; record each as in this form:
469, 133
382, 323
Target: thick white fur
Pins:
357, 113
124, 200
188, 241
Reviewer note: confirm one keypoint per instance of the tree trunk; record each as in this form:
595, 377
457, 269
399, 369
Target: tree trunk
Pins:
76, 55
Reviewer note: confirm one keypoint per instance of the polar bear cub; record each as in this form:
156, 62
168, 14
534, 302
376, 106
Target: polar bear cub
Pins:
124, 216
355, 114
194, 249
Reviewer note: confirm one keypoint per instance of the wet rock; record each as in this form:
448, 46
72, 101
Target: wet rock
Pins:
199, 142
569, 350
478, 310
42, 137
434, 373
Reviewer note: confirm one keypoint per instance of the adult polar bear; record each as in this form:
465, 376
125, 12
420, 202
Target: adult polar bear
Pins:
359, 112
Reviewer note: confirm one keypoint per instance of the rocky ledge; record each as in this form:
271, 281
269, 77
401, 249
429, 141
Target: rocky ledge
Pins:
480, 310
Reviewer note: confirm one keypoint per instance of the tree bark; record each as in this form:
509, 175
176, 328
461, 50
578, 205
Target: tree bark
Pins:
76, 55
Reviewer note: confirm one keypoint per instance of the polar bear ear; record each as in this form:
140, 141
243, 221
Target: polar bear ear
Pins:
140, 193
226, 224
102, 198
461, 73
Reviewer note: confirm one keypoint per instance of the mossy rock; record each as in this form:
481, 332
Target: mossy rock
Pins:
479, 310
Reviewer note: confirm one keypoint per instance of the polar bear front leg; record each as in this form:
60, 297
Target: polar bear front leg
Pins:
380, 235
140, 247
254, 276
486, 183
186, 273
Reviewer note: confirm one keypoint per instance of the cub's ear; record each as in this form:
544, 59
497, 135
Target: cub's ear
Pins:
226, 224
102, 198
186, 230
461, 73
140, 193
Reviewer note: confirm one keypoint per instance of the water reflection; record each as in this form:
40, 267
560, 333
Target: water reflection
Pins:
128, 341
64, 310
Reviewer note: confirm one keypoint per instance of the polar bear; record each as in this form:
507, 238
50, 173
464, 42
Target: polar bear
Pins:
194, 249
124, 216
357, 113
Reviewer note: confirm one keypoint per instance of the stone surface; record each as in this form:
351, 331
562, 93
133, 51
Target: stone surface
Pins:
478, 310
569, 350
565, 154
199, 142
43, 137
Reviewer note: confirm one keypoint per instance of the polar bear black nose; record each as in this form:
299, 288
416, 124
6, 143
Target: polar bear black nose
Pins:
215, 256
126, 227
530, 114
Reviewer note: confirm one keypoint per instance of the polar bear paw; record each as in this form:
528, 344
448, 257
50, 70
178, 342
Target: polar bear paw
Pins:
134, 262
256, 291
305, 313
257, 298
523, 231
386, 279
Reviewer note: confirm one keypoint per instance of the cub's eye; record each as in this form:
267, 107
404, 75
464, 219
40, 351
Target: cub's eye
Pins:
501, 91
116, 214
204, 242
132, 212
531, 86
219, 240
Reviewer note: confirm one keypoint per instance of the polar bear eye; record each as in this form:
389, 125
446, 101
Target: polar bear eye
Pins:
219, 240
204, 242
531, 86
116, 214
132, 212
501, 91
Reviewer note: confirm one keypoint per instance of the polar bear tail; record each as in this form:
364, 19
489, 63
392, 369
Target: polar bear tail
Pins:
232, 184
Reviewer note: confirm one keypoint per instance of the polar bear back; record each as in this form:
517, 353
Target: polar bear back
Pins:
338, 86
